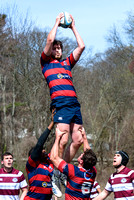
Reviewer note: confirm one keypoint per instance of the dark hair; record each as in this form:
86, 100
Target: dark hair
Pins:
89, 159
31, 150
6, 154
58, 42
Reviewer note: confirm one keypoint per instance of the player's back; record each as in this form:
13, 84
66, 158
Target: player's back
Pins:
80, 182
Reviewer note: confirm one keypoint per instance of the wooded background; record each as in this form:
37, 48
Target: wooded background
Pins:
103, 82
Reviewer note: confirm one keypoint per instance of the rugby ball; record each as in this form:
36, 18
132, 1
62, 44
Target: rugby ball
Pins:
66, 20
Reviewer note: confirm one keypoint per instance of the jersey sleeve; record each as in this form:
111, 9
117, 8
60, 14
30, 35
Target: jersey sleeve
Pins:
22, 180
31, 165
132, 177
108, 186
66, 168
72, 60
62, 166
96, 185
44, 58
39, 146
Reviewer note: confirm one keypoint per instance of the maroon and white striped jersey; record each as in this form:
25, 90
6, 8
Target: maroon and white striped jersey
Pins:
94, 192
11, 183
122, 184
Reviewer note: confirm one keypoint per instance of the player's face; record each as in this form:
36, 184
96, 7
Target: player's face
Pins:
117, 160
57, 51
7, 162
44, 156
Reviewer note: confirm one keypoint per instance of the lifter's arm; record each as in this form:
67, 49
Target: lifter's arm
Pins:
39, 146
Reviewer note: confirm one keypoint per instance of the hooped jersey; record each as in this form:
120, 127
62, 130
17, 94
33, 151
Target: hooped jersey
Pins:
39, 177
122, 184
11, 183
79, 181
58, 76
94, 192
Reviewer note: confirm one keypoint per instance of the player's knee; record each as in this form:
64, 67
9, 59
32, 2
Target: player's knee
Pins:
63, 142
77, 138
78, 142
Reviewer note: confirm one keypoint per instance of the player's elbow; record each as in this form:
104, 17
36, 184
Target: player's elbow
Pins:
50, 39
82, 47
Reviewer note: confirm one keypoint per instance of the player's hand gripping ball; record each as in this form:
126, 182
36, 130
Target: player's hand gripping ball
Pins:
65, 21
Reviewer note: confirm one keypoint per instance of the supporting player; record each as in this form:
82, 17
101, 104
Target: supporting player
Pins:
79, 179
121, 183
12, 181
58, 75
40, 170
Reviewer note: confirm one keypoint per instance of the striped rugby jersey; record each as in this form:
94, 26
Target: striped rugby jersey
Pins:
79, 181
39, 177
94, 192
122, 184
58, 76
11, 183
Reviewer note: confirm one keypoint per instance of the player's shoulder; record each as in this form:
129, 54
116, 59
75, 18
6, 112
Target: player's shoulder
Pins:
16, 171
1, 170
72, 169
112, 175
65, 61
71, 166
129, 171
94, 169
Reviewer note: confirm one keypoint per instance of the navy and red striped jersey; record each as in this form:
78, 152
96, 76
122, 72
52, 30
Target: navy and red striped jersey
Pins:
39, 177
58, 76
79, 181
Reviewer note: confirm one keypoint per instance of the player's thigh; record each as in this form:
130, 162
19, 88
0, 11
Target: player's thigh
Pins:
64, 128
76, 134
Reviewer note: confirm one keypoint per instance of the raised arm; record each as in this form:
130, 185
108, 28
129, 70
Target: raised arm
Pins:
102, 195
81, 46
85, 141
54, 155
39, 146
51, 35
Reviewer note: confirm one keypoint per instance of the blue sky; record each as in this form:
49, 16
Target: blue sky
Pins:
93, 18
